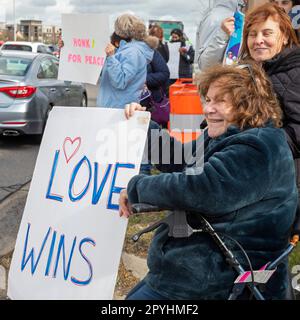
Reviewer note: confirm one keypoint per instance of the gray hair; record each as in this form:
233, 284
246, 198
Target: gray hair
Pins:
128, 26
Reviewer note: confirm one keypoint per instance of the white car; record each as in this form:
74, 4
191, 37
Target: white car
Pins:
36, 47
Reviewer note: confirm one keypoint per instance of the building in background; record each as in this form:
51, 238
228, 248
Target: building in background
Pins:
50, 34
31, 30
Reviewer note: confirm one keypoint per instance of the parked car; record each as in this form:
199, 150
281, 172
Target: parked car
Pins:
54, 50
29, 89
26, 46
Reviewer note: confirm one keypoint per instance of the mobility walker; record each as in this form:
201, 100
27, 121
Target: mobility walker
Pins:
179, 228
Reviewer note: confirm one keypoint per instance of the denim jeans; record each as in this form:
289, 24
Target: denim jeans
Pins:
143, 292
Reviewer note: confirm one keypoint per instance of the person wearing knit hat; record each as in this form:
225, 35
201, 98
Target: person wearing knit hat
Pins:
124, 73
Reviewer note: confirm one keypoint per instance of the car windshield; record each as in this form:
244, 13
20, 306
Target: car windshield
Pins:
22, 47
13, 66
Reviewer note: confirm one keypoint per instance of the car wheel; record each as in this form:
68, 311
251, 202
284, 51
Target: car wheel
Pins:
84, 101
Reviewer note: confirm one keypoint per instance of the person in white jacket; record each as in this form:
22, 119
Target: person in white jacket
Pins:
214, 31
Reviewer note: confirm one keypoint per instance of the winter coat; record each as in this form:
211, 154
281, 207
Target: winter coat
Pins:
157, 76
246, 190
284, 72
211, 39
124, 74
185, 61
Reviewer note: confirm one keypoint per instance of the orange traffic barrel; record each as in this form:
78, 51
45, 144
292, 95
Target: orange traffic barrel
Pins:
186, 112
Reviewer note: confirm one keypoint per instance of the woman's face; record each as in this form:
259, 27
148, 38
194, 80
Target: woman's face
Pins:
175, 37
265, 40
287, 5
217, 113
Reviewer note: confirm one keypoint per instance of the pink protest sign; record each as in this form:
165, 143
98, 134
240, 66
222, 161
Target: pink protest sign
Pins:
85, 37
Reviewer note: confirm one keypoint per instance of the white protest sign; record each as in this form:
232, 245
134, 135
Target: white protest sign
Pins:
71, 236
83, 55
173, 62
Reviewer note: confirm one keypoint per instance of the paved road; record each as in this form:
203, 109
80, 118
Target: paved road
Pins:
17, 160
18, 156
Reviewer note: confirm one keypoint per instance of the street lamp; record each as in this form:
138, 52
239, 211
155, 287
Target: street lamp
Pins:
15, 25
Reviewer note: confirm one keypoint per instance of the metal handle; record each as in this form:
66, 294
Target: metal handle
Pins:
144, 208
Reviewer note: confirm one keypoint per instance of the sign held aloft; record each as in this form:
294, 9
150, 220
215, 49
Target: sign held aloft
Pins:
85, 37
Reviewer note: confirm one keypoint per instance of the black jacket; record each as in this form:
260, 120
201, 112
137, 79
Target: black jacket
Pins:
163, 49
284, 72
157, 76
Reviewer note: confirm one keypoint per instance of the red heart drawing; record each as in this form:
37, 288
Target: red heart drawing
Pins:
71, 147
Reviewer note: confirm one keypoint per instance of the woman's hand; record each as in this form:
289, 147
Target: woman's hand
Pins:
123, 204
131, 108
110, 50
182, 50
227, 25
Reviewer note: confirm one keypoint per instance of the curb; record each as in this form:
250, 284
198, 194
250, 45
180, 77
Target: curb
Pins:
11, 212
137, 265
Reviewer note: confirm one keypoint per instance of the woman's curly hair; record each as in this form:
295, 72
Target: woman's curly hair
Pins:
248, 89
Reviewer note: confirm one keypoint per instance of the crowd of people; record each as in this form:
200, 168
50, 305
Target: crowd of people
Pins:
247, 186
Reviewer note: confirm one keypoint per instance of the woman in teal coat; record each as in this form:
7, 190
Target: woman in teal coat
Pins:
245, 189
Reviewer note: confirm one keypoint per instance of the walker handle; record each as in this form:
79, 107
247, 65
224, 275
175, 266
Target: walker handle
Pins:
144, 208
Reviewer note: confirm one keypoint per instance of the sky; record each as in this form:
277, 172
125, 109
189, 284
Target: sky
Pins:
49, 11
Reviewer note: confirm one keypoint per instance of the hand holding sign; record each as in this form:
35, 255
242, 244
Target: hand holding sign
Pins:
227, 26
110, 50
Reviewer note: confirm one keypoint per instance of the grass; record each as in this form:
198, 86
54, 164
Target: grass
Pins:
135, 224
294, 258
126, 280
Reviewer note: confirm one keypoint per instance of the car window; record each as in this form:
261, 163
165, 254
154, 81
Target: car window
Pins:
43, 49
53, 48
48, 50
21, 47
14, 66
48, 69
